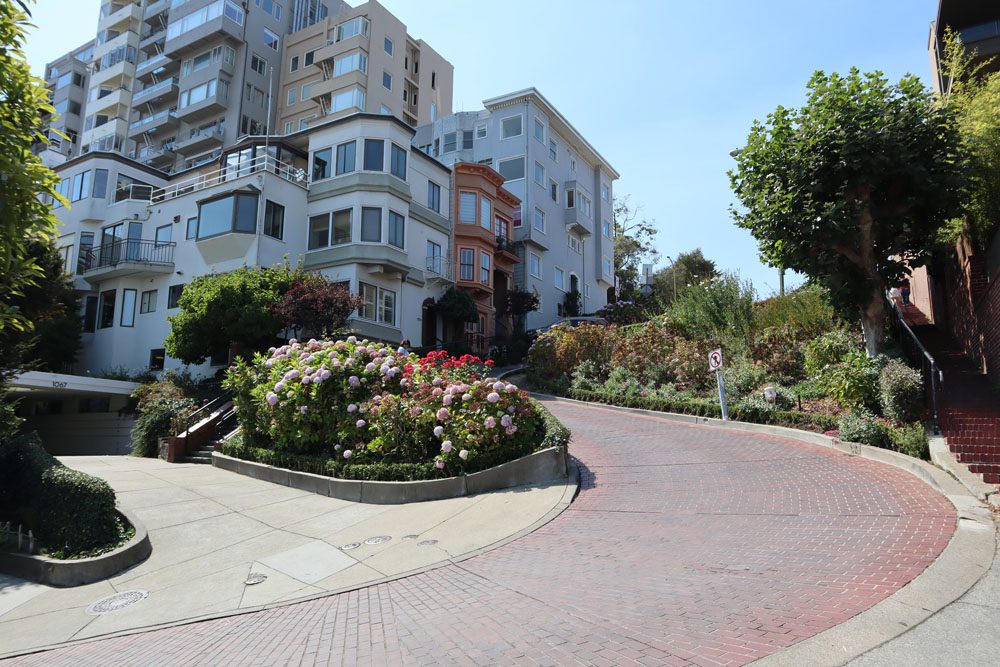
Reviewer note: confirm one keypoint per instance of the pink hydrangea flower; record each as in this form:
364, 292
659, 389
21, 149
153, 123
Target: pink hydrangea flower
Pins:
302, 409
446, 446
369, 367
510, 389
464, 454
490, 422
436, 381
352, 407
438, 431
442, 414
437, 392
439, 463
447, 399
498, 386
354, 381
493, 397
272, 398
466, 397
347, 453
511, 430
506, 421
360, 423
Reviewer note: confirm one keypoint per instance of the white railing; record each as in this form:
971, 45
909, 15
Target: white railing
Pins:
439, 266
149, 90
228, 173
149, 63
162, 115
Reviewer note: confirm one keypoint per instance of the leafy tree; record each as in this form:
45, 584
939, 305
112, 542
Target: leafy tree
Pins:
690, 268
53, 307
633, 243
236, 308
572, 303
852, 188
519, 303
457, 306
314, 304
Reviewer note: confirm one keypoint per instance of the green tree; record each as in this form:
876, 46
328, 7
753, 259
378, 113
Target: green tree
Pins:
690, 268
53, 308
633, 243
852, 188
235, 308
721, 309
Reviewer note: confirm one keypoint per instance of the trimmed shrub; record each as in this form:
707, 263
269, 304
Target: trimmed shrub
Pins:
158, 418
828, 349
911, 439
852, 382
586, 376
743, 377
861, 426
901, 392
806, 312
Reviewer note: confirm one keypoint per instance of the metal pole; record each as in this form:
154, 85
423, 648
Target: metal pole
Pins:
722, 394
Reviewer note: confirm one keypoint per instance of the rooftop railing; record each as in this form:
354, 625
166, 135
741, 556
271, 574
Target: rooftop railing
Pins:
264, 163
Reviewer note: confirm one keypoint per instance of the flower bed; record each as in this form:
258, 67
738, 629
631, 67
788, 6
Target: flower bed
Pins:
361, 410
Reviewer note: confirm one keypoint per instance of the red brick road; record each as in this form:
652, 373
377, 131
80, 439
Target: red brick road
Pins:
686, 545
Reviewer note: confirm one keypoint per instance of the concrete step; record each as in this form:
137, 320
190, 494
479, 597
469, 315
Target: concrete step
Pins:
195, 457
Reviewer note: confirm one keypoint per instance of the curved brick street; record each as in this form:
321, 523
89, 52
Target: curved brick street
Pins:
686, 545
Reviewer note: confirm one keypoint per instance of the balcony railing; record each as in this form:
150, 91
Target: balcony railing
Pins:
263, 163
438, 266
505, 245
172, 113
151, 63
127, 250
151, 152
979, 32
149, 91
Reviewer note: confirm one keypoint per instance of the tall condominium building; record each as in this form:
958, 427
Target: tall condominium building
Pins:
563, 227
171, 82
68, 81
361, 59
977, 24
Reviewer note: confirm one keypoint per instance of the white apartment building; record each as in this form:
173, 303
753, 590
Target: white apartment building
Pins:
348, 198
565, 232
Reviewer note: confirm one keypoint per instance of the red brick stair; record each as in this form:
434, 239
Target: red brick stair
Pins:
969, 406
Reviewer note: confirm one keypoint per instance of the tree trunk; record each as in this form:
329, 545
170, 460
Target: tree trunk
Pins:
873, 323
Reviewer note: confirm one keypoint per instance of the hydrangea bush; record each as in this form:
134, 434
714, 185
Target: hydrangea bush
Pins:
368, 403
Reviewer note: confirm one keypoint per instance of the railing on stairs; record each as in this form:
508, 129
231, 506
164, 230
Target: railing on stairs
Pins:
203, 412
918, 354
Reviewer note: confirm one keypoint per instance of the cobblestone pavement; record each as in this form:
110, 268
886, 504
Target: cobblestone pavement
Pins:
687, 545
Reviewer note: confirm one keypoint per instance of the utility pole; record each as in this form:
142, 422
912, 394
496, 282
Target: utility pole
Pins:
781, 281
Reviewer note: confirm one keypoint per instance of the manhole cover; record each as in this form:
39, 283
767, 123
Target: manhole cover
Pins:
378, 539
111, 603
255, 578
352, 545
427, 543
409, 537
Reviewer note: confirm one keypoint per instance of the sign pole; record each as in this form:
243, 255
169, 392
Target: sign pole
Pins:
722, 394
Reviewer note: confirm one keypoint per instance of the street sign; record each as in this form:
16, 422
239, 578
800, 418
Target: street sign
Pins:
715, 360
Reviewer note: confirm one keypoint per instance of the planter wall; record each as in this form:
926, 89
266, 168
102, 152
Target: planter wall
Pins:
544, 466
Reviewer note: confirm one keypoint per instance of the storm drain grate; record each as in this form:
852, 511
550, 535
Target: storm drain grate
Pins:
350, 546
378, 539
115, 602
255, 578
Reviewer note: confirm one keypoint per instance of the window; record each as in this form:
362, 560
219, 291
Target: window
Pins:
384, 110
553, 190
387, 313
308, 58
128, 308
289, 127
434, 263
319, 231
233, 213
350, 63
539, 220
213, 88
450, 142
485, 212
559, 278
501, 228
321, 164
512, 169
304, 122
608, 270
293, 65
92, 404
397, 161
466, 139
174, 293
606, 228
291, 96
258, 64
106, 309
397, 230
377, 304
467, 207
572, 164
570, 198
147, 302
535, 265
510, 127
574, 243
605, 192
346, 99
387, 45
374, 154
481, 131
348, 29
164, 233
466, 264
274, 220
230, 9
192, 228
90, 315
81, 186
484, 268
346, 157
539, 174
586, 207
100, 183
307, 90
433, 196
270, 39
433, 111
433, 82
157, 358
371, 225
539, 131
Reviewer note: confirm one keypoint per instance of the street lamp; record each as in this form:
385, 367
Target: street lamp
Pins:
673, 274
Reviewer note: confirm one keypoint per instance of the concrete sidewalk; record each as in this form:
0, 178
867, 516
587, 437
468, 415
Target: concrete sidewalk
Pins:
211, 529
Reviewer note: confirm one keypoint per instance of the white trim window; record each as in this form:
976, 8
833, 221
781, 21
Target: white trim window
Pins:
608, 267
553, 190
466, 264
538, 222
349, 63
574, 243
387, 45
540, 174
485, 213
481, 131
559, 278
586, 207
467, 207
534, 265
511, 126
512, 169
553, 151
539, 130
484, 268
377, 304
605, 192
606, 228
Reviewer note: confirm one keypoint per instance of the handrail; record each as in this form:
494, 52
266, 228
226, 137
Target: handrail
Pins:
928, 366
199, 414
227, 173
128, 250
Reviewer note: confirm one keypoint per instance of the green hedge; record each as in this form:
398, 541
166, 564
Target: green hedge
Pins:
705, 408
69, 512
555, 435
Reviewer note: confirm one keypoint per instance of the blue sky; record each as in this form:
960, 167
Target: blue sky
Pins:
663, 89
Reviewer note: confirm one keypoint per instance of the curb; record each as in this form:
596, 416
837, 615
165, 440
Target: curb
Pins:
570, 483
942, 456
964, 561
80, 571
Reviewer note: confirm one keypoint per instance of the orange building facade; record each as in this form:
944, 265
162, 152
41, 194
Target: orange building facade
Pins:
484, 254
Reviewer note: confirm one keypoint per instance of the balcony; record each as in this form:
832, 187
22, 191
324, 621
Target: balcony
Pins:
154, 12
160, 157
506, 250
152, 38
108, 100
199, 141
120, 17
158, 122
153, 65
439, 269
127, 257
209, 106
184, 42
577, 222
210, 179
165, 88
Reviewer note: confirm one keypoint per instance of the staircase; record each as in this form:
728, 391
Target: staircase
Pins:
206, 428
969, 405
